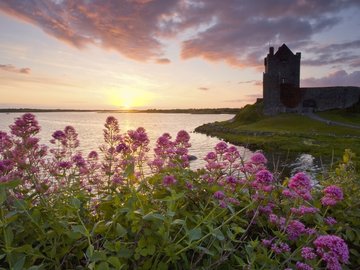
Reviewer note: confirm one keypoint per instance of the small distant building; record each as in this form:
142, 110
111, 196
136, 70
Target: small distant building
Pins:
282, 91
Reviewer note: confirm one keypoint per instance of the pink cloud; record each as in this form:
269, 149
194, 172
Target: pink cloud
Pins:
11, 68
340, 77
233, 31
163, 61
128, 27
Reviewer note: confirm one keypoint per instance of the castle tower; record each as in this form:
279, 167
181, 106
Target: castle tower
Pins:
281, 69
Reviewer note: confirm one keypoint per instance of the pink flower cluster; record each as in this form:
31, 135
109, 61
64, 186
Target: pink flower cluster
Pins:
171, 154
169, 180
299, 186
302, 210
263, 181
333, 250
308, 253
123, 157
332, 195
303, 266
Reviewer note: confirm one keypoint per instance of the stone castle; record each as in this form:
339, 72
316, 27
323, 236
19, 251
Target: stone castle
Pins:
282, 91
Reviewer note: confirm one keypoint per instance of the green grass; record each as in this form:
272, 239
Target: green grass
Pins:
341, 116
288, 134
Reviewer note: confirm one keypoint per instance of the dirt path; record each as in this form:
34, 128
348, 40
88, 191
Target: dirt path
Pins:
329, 122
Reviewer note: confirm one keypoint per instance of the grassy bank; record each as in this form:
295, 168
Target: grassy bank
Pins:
288, 134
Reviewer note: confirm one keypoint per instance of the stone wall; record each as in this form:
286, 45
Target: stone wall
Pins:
327, 98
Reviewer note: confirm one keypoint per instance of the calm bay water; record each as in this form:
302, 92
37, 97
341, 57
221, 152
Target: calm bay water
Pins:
90, 125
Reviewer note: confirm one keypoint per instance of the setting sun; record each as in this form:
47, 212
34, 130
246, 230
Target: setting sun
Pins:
127, 99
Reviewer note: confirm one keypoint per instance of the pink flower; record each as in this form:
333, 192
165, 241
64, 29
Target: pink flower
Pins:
303, 266
169, 180
232, 154
58, 135
221, 148
333, 194
222, 204
231, 180
308, 253
302, 210
258, 158
5, 141
330, 221
266, 242
25, 126
280, 247
93, 155
210, 156
65, 164
219, 195
333, 250
301, 185
183, 137
117, 180
295, 229
263, 180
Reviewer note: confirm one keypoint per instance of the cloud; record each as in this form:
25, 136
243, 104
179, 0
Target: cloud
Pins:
163, 61
336, 53
233, 31
129, 27
14, 69
204, 88
340, 77
239, 31
254, 82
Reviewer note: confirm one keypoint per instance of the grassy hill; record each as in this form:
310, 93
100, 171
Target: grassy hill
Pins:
289, 134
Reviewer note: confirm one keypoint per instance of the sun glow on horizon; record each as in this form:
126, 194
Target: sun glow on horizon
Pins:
127, 99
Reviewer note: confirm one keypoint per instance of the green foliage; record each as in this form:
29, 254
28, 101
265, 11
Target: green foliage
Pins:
149, 226
348, 212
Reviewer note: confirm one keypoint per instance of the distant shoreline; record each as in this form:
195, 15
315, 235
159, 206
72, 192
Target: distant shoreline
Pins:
187, 111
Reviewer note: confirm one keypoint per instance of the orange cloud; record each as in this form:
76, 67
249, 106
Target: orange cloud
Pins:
163, 61
233, 31
11, 68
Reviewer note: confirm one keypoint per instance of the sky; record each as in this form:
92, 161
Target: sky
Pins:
145, 54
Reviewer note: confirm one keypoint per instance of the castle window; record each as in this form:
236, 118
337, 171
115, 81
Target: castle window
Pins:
282, 80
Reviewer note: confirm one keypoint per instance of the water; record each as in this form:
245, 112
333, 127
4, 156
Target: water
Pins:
89, 125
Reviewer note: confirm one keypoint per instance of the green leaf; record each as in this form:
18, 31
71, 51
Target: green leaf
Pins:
129, 170
10, 184
114, 261
98, 256
102, 266
125, 253
239, 261
194, 234
120, 230
162, 266
19, 265
90, 251
205, 250
152, 216
36, 267
75, 202
218, 234
99, 227
173, 197
2, 196
178, 222
9, 236
80, 229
